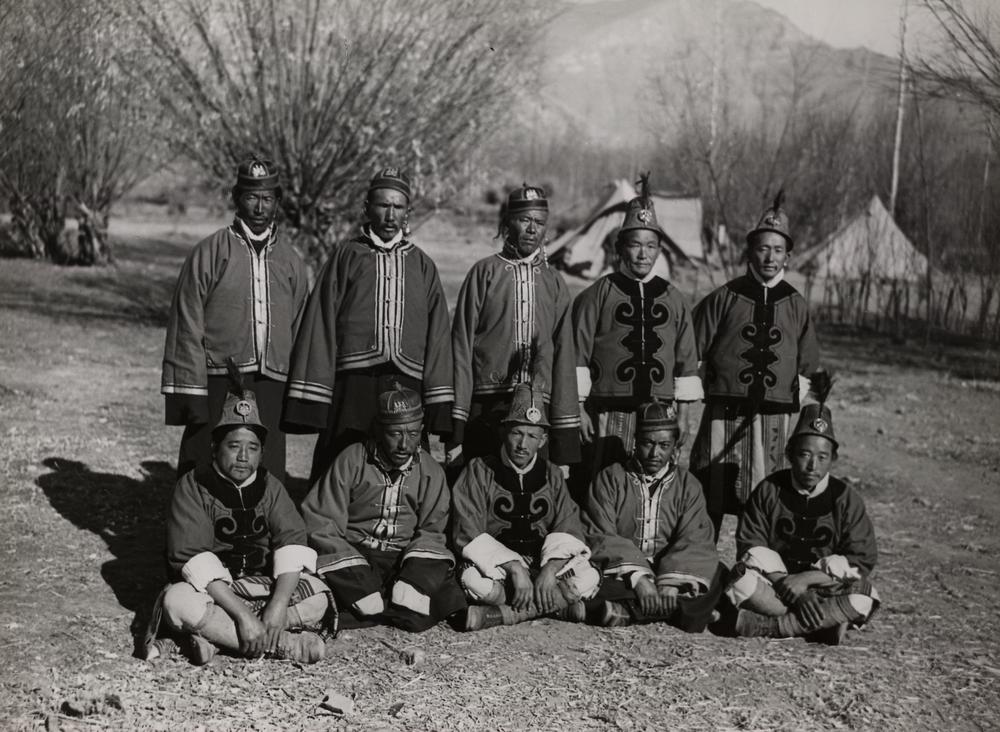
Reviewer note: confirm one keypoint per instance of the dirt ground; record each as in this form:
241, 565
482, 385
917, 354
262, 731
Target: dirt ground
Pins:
86, 469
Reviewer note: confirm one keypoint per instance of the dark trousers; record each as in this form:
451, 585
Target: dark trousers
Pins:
432, 577
196, 442
692, 614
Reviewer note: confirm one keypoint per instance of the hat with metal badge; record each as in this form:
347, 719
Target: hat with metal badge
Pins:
774, 219
240, 407
526, 198
640, 213
393, 179
257, 174
527, 407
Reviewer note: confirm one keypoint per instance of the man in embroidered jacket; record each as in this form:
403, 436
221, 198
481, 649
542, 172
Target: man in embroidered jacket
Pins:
634, 343
243, 576
376, 317
651, 535
240, 294
518, 529
806, 545
513, 325
377, 518
757, 343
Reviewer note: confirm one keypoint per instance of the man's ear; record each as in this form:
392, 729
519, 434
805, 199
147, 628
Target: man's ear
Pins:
544, 441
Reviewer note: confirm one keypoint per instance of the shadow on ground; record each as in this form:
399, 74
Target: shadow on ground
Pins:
129, 515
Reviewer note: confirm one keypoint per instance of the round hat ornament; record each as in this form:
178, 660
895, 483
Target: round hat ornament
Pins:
533, 415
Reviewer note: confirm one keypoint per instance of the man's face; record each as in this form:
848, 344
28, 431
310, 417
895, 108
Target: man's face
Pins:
237, 455
526, 231
639, 250
768, 254
653, 450
399, 442
256, 208
387, 211
523, 442
811, 458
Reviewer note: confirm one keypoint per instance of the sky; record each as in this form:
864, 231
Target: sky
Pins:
852, 23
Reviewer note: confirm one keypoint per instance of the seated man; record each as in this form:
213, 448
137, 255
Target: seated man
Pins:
651, 534
377, 518
236, 548
516, 525
806, 545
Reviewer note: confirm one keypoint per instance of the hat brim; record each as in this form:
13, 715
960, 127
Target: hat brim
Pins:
390, 185
642, 227
221, 430
765, 229
404, 418
267, 183
540, 423
812, 433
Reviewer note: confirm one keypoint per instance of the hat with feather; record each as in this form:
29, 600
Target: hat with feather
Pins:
525, 198
240, 408
816, 419
640, 213
527, 407
773, 219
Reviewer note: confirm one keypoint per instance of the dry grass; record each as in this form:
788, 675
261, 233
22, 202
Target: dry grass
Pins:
87, 467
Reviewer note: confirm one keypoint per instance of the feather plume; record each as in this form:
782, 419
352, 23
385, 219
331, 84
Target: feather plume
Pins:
820, 384
235, 377
779, 199
644, 191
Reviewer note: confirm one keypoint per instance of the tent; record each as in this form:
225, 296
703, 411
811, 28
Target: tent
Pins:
584, 251
869, 247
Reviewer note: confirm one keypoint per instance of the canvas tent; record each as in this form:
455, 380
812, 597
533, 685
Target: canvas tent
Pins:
867, 270
584, 251
871, 246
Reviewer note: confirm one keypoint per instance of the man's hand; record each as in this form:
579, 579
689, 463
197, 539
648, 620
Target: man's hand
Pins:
548, 598
792, 587
252, 635
520, 585
586, 426
275, 620
808, 609
648, 597
668, 600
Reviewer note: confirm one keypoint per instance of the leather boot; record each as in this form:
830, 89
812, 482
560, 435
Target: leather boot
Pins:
304, 647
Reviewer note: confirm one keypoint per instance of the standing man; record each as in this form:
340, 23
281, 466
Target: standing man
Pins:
634, 343
377, 316
513, 326
240, 294
377, 518
757, 343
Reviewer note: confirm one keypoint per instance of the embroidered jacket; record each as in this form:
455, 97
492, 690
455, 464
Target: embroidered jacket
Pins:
231, 301
755, 342
803, 530
371, 306
529, 515
513, 325
654, 526
216, 530
362, 502
634, 341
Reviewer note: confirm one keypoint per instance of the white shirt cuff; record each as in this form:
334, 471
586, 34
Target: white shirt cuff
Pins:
583, 382
293, 558
203, 569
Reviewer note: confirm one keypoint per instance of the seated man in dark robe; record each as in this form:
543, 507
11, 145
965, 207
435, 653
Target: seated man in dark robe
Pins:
806, 545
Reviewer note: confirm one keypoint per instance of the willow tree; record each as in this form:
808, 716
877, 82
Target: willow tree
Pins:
333, 89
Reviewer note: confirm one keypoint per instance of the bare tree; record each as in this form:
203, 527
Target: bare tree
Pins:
77, 132
333, 89
968, 65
